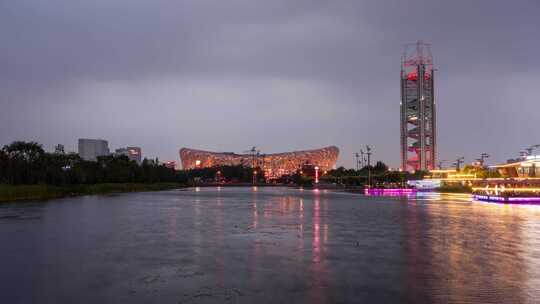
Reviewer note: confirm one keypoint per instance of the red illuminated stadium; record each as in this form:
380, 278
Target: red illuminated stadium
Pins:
274, 165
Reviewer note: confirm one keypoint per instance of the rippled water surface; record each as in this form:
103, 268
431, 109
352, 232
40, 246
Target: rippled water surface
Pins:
268, 245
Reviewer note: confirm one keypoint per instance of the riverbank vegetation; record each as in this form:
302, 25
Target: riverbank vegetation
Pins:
26, 163
377, 175
28, 172
223, 174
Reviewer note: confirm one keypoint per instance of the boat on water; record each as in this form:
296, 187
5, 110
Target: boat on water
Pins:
509, 194
534, 200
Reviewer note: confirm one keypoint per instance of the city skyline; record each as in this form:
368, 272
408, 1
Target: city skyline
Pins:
280, 76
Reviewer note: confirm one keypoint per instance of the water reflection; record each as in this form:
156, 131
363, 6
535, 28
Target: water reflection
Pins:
455, 251
301, 221
255, 213
197, 231
319, 276
316, 243
244, 245
466, 253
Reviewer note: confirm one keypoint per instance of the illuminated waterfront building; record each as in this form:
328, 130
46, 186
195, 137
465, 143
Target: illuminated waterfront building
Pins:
418, 127
526, 168
273, 165
133, 153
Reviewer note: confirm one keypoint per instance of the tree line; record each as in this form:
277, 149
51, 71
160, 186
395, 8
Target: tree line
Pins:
28, 163
235, 174
377, 174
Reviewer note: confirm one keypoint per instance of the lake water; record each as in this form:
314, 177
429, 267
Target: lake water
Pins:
268, 245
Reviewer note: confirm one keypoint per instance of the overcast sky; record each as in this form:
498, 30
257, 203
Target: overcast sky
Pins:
280, 75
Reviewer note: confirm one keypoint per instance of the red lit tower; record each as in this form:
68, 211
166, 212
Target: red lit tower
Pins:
418, 127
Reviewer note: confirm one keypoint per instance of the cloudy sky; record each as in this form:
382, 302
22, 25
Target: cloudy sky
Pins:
280, 75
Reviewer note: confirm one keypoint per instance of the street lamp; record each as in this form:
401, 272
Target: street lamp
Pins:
368, 149
482, 158
441, 162
458, 163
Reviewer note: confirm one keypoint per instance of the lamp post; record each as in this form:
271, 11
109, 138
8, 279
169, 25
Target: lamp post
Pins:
482, 158
441, 162
316, 174
531, 149
458, 163
368, 149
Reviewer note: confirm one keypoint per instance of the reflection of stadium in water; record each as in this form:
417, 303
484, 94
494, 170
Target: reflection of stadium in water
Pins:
274, 165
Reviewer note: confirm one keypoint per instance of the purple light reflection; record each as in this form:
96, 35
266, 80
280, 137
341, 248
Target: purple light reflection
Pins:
508, 200
389, 191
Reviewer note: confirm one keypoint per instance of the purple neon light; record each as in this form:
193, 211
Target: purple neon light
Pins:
524, 199
489, 198
389, 191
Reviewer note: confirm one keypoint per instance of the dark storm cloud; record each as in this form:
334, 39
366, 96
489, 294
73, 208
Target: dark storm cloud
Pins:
282, 75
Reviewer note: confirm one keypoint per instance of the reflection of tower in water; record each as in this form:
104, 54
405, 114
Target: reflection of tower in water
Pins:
476, 256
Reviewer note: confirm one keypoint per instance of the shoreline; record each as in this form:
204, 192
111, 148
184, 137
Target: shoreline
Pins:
18, 193
209, 185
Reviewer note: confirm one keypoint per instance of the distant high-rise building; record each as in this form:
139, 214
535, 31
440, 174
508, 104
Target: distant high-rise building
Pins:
418, 128
90, 149
59, 149
133, 153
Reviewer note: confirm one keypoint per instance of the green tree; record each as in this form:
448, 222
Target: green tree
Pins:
24, 162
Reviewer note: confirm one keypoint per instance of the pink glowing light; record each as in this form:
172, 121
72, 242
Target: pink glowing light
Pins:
389, 191
508, 200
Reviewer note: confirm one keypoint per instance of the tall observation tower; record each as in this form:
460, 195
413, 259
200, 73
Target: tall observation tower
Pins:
418, 127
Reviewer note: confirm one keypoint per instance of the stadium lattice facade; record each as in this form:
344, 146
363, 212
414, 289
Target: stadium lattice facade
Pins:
274, 165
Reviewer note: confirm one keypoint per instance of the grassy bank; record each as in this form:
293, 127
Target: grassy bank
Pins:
37, 192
